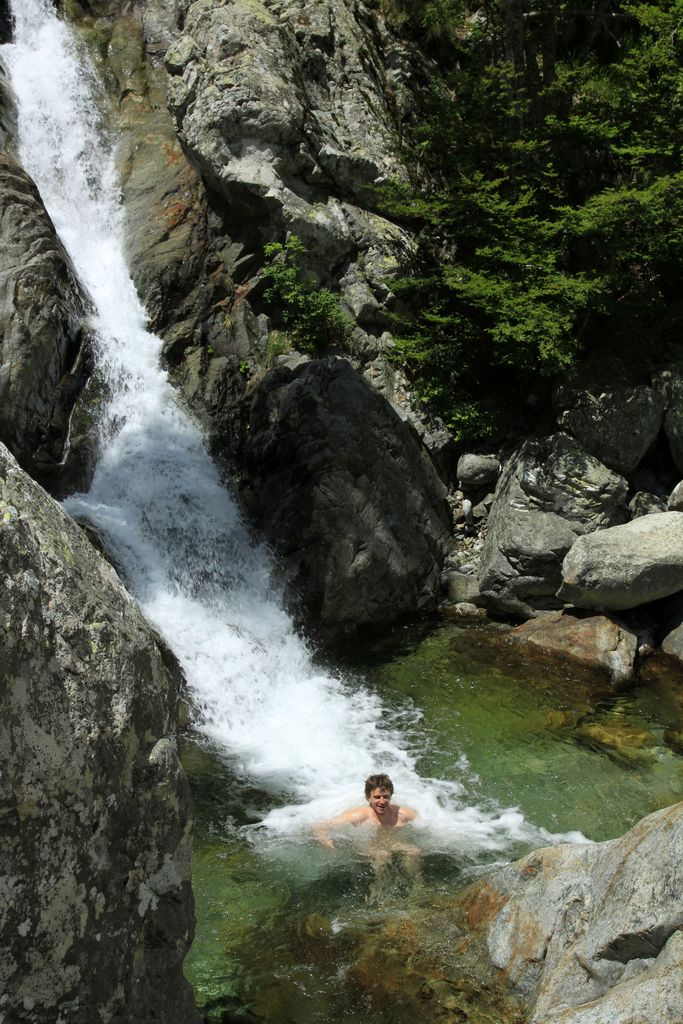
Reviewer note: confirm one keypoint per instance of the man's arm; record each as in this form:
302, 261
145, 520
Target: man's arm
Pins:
351, 817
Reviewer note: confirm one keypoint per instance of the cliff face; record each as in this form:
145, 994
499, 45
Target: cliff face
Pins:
242, 122
95, 809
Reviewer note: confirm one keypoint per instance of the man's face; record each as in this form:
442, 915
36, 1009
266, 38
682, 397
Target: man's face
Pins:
379, 800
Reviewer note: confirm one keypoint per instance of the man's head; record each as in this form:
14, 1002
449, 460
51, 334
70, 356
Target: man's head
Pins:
378, 782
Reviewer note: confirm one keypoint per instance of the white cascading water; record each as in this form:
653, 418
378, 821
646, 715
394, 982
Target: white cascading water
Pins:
174, 529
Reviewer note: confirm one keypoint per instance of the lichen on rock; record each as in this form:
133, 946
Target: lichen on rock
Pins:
95, 808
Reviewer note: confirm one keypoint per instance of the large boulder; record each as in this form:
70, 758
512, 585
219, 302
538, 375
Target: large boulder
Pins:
626, 566
550, 492
44, 340
477, 471
595, 641
346, 495
96, 835
591, 934
617, 424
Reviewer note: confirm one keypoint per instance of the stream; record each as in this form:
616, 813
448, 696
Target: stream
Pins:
496, 756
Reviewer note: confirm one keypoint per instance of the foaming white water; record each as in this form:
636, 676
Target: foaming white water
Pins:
171, 525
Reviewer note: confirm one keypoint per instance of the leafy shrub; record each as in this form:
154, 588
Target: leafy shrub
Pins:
310, 314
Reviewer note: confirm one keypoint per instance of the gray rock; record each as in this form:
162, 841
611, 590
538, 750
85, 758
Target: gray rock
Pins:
461, 587
550, 491
347, 496
44, 344
287, 114
590, 934
476, 471
645, 504
464, 610
675, 501
669, 620
166, 211
626, 566
617, 424
95, 806
672, 644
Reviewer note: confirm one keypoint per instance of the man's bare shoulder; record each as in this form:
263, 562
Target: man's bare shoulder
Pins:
354, 816
406, 814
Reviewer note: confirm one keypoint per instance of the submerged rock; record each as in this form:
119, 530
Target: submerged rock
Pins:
595, 641
346, 495
626, 566
626, 742
591, 934
95, 808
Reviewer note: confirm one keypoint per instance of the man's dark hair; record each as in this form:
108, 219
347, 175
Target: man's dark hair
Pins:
378, 782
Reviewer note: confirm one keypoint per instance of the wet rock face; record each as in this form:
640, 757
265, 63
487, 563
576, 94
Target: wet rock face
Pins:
44, 345
346, 495
94, 805
5, 22
592, 934
551, 491
8, 110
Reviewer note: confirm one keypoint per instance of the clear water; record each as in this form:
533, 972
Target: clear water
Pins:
280, 740
288, 931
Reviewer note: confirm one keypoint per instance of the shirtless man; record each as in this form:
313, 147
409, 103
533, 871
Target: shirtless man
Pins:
380, 812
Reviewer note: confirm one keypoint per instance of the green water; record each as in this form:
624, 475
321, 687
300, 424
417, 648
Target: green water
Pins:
289, 932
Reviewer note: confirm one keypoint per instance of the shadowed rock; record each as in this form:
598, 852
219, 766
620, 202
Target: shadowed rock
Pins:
44, 344
347, 496
617, 425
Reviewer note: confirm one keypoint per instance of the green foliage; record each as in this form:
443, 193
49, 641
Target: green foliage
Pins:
279, 344
548, 194
310, 314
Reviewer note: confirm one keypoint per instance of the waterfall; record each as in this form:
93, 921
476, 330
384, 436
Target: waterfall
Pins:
171, 525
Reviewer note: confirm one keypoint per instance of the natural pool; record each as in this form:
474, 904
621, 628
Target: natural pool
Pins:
290, 932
